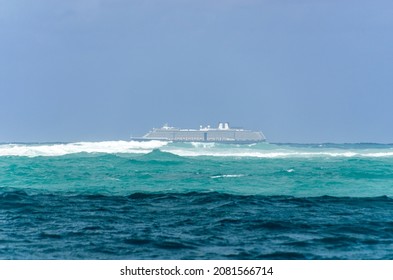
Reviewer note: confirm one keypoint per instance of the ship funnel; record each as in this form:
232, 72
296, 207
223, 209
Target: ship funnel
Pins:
223, 126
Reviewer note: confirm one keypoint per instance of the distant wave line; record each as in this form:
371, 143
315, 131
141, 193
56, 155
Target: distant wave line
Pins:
193, 149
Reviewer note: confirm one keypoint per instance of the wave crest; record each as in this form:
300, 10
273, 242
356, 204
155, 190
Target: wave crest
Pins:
264, 150
112, 147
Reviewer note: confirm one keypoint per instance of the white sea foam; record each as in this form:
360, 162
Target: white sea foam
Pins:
244, 152
188, 150
202, 145
380, 154
227, 176
33, 150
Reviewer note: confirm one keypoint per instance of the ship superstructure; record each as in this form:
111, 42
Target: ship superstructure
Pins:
222, 133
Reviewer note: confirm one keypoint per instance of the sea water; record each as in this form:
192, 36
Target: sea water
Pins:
162, 200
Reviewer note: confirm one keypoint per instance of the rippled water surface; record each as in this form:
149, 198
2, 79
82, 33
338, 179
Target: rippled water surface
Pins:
159, 200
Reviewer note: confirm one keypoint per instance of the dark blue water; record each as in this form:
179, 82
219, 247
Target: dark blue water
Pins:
194, 226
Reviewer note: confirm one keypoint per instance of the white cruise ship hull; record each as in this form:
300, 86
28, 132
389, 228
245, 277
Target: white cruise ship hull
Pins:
222, 134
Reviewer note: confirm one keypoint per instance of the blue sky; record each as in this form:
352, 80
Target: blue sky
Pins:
300, 71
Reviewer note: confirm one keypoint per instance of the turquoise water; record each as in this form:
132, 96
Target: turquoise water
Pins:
159, 200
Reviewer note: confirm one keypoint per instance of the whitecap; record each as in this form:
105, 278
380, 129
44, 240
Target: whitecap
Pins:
202, 145
380, 154
194, 149
113, 147
227, 176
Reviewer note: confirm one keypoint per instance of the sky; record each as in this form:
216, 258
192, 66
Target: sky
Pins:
301, 71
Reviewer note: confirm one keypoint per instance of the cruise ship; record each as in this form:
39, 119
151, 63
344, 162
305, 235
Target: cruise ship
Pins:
221, 134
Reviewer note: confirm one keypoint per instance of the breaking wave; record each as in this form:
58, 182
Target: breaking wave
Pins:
110, 147
261, 150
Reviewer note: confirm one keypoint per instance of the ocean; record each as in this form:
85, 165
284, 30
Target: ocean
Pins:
162, 200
